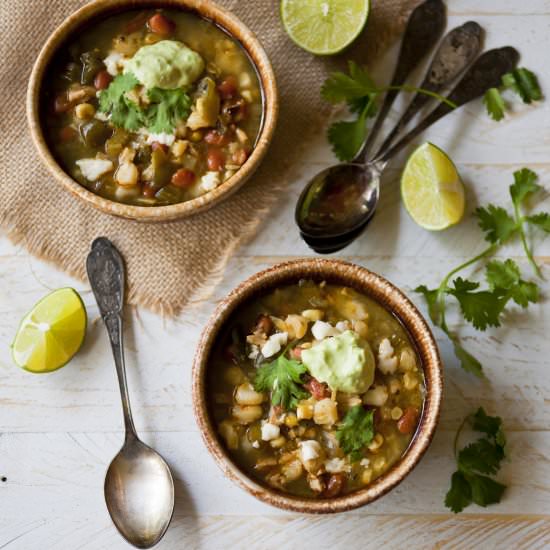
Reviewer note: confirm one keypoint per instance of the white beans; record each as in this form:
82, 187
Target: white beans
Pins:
246, 395
246, 414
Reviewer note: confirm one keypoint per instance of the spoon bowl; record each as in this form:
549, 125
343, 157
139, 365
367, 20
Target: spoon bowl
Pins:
139, 492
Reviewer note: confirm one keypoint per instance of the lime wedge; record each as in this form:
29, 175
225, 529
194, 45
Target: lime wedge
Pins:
324, 27
432, 190
52, 333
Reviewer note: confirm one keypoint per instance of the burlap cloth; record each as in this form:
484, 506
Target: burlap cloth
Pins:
168, 264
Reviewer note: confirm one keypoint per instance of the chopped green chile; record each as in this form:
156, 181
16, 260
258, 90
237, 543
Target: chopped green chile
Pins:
312, 449
225, 98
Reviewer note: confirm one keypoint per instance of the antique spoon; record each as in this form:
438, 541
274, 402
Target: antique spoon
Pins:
457, 51
424, 28
337, 204
139, 489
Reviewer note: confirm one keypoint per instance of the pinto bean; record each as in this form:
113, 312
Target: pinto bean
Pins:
319, 390
102, 80
160, 24
335, 485
213, 137
228, 87
215, 159
407, 423
156, 146
264, 324
183, 178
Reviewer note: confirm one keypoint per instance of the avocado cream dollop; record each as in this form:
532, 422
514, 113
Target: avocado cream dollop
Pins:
345, 362
168, 64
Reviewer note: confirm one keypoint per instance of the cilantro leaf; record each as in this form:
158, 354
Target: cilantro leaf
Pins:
167, 108
495, 104
541, 220
524, 83
340, 87
124, 112
490, 425
502, 274
505, 277
467, 361
347, 138
481, 457
432, 299
485, 490
459, 495
283, 378
525, 184
356, 431
482, 308
498, 225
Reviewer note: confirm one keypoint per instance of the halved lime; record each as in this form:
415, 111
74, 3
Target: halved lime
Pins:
51, 333
324, 27
432, 190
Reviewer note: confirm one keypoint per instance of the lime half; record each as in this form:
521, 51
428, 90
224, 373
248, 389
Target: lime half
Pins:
432, 190
52, 333
324, 27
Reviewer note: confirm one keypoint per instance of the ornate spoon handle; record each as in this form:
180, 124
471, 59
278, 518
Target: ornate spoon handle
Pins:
457, 51
424, 28
485, 73
106, 273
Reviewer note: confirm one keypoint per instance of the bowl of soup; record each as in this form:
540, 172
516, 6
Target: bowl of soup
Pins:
317, 386
152, 110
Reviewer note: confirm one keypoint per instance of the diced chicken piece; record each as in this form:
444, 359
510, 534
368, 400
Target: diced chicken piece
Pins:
92, 169
127, 174
315, 483
322, 330
337, 465
270, 431
274, 344
309, 450
325, 412
292, 470
210, 181
114, 63
376, 397
313, 314
296, 326
387, 361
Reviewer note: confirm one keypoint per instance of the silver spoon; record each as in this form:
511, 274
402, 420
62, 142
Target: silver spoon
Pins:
424, 28
337, 204
457, 51
139, 489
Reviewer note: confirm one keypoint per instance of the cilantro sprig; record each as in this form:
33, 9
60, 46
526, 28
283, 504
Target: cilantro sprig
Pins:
521, 81
356, 431
165, 110
360, 92
283, 378
476, 462
483, 308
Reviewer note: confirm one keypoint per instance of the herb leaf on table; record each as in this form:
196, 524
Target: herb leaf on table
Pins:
483, 308
283, 378
356, 431
484, 456
360, 92
521, 81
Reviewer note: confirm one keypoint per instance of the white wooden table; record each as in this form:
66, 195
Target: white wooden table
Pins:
59, 432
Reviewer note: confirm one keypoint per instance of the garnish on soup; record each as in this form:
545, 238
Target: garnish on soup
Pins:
153, 108
315, 389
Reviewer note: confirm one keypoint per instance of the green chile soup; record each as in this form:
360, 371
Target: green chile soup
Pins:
315, 389
152, 108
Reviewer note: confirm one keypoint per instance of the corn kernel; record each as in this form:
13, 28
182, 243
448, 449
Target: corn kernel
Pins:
196, 136
291, 420
179, 147
410, 381
366, 476
304, 410
396, 413
278, 442
376, 443
84, 111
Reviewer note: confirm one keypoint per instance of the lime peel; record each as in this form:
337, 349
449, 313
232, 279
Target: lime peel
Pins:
324, 27
51, 333
431, 188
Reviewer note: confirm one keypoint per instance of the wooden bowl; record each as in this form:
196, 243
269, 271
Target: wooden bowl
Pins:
99, 9
381, 291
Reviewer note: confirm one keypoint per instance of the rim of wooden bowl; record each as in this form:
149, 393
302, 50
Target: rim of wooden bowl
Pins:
383, 292
206, 9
